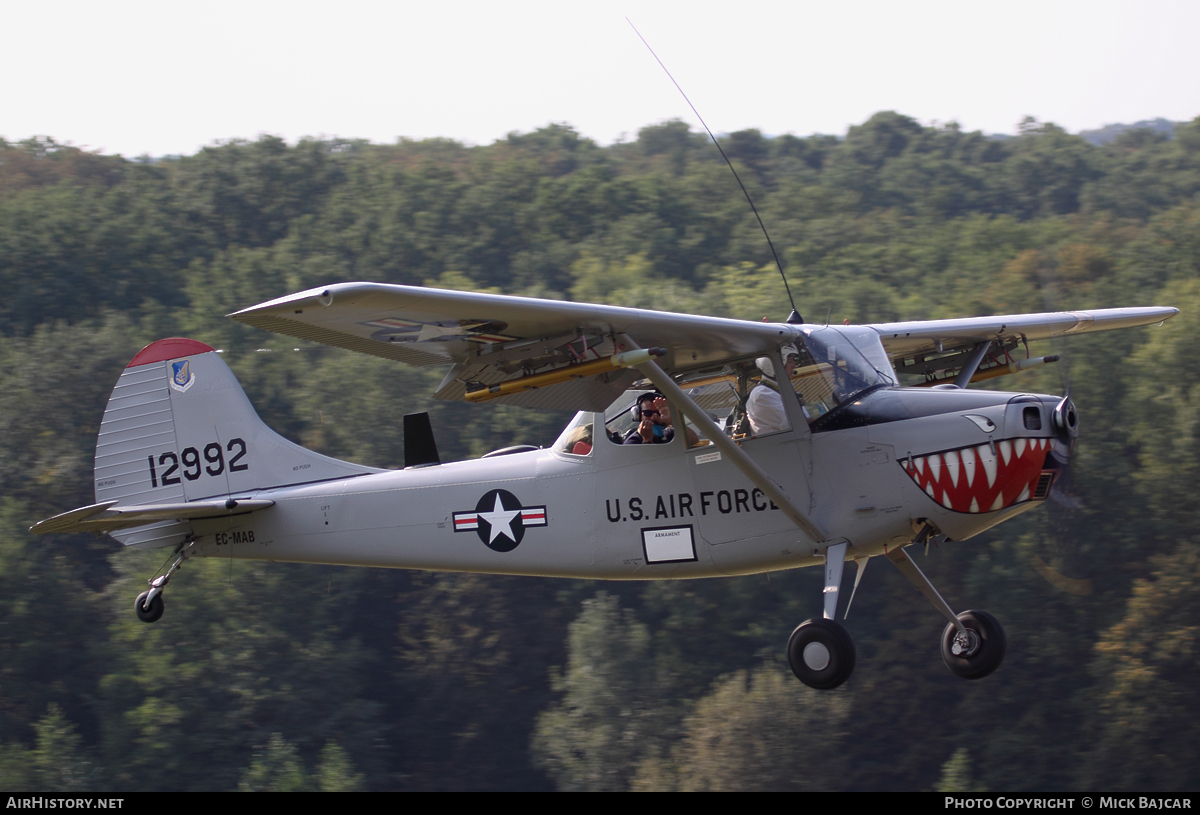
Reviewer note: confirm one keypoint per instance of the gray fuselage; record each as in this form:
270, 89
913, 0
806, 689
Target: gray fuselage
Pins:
961, 460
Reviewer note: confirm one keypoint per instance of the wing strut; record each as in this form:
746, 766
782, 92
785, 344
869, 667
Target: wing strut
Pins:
728, 447
968, 370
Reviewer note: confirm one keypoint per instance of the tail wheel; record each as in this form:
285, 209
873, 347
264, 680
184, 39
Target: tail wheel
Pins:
821, 653
977, 653
148, 613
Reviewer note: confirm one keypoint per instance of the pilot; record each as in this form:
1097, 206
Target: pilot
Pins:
765, 408
653, 417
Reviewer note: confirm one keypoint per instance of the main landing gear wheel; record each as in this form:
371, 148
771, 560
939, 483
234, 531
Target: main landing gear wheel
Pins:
821, 653
978, 653
152, 612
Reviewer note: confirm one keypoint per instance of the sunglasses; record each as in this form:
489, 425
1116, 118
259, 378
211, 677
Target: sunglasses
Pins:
649, 412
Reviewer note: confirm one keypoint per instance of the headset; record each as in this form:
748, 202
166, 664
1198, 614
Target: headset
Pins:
635, 412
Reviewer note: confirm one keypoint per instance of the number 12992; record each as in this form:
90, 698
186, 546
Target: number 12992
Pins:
213, 463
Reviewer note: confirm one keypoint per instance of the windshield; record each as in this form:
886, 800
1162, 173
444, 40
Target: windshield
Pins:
841, 363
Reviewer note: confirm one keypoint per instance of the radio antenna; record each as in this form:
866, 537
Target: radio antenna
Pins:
794, 317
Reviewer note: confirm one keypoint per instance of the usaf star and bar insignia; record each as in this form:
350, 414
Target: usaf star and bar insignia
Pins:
485, 332
499, 520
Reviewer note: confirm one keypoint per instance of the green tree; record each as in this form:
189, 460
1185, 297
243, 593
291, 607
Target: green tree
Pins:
763, 731
956, 773
276, 768
335, 771
1146, 694
607, 719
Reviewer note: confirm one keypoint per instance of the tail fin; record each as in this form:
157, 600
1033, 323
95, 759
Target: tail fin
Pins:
178, 427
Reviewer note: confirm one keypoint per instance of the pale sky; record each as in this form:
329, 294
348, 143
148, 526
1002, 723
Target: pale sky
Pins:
137, 77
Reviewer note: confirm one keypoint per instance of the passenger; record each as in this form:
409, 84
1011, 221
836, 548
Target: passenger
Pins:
580, 441
765, 408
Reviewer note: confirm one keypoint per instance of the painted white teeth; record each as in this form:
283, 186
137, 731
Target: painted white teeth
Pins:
988, 461
965, 463
935, 466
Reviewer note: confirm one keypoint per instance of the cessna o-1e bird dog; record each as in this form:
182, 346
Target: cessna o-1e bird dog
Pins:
841, 463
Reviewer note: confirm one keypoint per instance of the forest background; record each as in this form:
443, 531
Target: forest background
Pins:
260, 677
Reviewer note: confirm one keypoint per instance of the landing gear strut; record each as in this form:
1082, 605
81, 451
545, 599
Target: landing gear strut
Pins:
822, 654
973, 643
149, 604
820, 651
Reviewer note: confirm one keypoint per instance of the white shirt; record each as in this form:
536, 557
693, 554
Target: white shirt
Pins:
765, 411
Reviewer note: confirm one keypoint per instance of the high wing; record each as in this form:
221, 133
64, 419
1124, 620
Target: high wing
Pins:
491, 338
922, 336
494, 338
931, 346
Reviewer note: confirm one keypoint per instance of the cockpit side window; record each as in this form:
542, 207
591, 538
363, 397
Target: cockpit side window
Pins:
745, 397
577, 438
644, 416
726, 392
769, 402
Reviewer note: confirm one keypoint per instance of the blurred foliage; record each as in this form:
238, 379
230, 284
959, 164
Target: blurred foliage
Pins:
273, 676
743, 735
608, 717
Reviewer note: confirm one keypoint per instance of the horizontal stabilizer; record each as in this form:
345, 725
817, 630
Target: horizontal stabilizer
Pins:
106, 517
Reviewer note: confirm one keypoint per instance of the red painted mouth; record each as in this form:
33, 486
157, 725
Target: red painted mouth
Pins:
984, 477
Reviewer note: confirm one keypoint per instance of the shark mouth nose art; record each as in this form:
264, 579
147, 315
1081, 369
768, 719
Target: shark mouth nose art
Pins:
985, 477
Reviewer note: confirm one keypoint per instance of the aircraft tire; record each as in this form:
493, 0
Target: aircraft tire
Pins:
151, 613
988, 652
821, 653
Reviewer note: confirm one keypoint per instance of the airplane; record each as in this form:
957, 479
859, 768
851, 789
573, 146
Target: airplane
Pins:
855, 467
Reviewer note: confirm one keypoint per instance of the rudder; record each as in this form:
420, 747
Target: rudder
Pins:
178, 427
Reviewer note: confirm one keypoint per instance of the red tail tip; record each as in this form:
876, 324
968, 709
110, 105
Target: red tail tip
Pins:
170, 348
